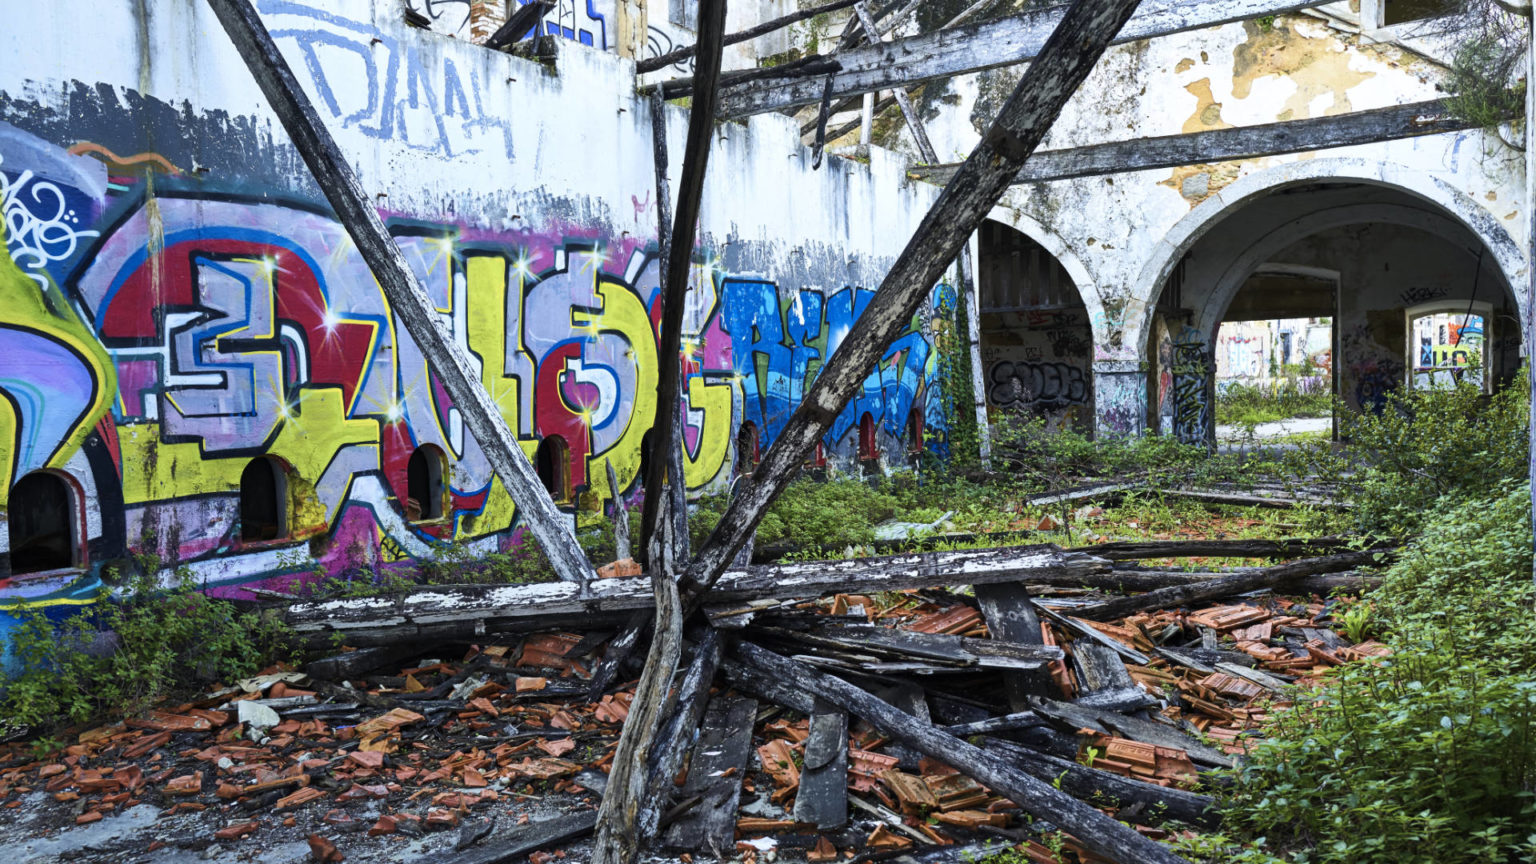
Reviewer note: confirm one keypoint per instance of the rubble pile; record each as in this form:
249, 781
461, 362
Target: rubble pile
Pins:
1126, 715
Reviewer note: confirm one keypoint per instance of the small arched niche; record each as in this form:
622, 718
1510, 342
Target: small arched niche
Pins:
552, 463
44, 524
425, 488
263, 501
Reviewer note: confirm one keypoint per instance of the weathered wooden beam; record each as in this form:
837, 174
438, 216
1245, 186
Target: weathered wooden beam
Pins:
975, 47
1132, 550
676, 55
690, 193
1067, 58
1244, 142
1010, 615
437, 612
715, 773
822, 799
1097, 832
334, 175
1228, 586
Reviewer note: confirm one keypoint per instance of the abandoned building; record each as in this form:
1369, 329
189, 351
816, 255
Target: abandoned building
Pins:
199, 365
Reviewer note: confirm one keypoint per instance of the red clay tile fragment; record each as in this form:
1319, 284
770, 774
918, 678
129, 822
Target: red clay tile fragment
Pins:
322, 851
88, 818
385, 825
366, 758
189, 784
440, 818
236, 831
303, 796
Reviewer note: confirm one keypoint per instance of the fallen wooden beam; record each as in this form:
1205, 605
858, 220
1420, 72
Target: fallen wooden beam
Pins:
1073, 49
1097, 832
715, 772
975, 47
677, 736
450, 611
517, 843
1157, 804
1228, 586
1133, 550
822, 799
1393, 123
518, 23
450, 362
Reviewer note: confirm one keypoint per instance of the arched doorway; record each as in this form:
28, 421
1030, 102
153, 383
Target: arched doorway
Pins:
1320, 283
1036, 336
552, 463
43, 524
425, 489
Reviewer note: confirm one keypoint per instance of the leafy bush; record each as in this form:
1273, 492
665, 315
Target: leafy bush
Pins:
1425, 444
1429, 756
124, 655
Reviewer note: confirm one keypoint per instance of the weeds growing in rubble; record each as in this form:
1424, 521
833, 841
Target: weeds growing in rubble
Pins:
1428, 755
126, 654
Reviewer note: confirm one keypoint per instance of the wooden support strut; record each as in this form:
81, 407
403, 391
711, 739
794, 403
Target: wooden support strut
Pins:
401, 288
1071, 53
1245, 142
975, 47
1099, 833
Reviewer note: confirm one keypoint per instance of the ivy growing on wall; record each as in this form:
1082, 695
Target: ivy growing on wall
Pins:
955, 375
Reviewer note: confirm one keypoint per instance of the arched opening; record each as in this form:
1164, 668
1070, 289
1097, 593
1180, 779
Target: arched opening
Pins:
263, 493
1354, 266
914, 431
747, 455
1036, 337
424, 486
43, 524
552, 462
869, 450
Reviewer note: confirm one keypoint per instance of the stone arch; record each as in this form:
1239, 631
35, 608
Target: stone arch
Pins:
1452, 202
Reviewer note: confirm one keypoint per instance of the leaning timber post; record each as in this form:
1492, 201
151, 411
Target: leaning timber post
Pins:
619, 838
339, 182
1068, 56
674, 289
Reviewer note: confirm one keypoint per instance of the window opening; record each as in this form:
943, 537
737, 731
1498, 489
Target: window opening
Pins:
1446, 345
747, 455
867, 450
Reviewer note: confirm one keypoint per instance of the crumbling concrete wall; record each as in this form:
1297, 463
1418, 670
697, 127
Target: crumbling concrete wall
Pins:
177, 299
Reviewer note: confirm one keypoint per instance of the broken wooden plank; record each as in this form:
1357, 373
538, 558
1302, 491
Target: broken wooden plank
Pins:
975, 47
822, 799
1392, 123
715, 772
1011, 616
1082, 629
1068, 56
1075, 717
1097, 832
1228, 586
407, 299
677, 736
515, 844
1099, 668
442, 611
1017, 720
943, 647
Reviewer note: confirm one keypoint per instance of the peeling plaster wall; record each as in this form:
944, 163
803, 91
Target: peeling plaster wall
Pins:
1128, 231
177, 298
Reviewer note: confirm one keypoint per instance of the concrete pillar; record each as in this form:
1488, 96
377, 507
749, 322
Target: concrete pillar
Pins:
631, 36
1119, 398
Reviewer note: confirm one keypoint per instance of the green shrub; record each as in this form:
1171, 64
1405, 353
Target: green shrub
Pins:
1425, 444
124, 655
1429, 756
1240, 403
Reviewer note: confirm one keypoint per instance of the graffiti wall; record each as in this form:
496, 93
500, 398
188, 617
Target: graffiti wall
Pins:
176, 301
1039, 363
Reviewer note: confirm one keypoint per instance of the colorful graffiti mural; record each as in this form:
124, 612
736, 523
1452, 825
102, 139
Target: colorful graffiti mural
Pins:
161, 334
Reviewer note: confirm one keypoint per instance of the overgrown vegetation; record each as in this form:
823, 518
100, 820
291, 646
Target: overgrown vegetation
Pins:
1428, 757
1244, 404
1486, 82
125, 655
1428, 445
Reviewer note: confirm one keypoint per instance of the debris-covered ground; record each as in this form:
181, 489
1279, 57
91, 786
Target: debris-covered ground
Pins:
493, 748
